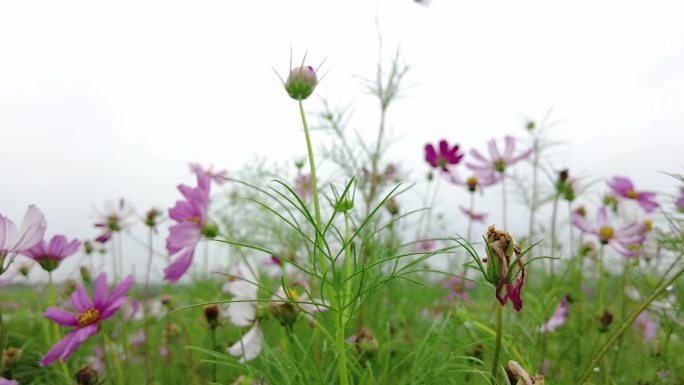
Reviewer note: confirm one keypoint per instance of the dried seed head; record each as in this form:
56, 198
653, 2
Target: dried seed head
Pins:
86, 376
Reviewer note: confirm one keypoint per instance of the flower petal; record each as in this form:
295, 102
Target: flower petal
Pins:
100, 291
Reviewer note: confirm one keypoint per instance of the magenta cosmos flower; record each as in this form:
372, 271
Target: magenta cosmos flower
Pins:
498, 161
115, 217
476, 217
90, 313
620, 240
623, 187
191, 217
50, 255
476, 182
13, 241
218, 177
445, 157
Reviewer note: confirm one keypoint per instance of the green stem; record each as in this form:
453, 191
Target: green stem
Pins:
2, 338
601, 282
497, 347
314, 183
114, 360
213, 348
627, 322
533, 203
503, 197
341, 348
146, 308
348, 262
554, 216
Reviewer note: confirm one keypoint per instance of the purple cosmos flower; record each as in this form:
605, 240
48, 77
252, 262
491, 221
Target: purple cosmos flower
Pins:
218, 177
13, 241
457, 287
50, 255
477, 217
620, 240
303, 186
497, 162
446, 156
191, 217
679, 203
115, 217
477, 181
4, 381
648, 326
558, 319
623, 187
90, 313
426, 245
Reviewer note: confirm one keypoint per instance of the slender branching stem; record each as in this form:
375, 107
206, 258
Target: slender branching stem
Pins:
146, 306
497, 347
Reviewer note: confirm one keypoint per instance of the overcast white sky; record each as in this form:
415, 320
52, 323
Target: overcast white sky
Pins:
102, 100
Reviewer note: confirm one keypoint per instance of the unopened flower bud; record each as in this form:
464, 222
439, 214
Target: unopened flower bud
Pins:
88, 247
530, 125
167, 302
85, 274
605, 321
392, 206
301, 82
344, 204
211, 315
24, 269
86, 376
365, 343
210, 230
151, 218
11, 356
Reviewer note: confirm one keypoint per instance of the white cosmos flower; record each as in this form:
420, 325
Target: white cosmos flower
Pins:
249, 346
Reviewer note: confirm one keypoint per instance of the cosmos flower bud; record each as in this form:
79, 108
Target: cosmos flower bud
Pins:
530, 125
210, 230
85, 274
88, 247
24, 269
365, 343
167, 302
151, 218
392, 206
344, 204
605, 321
211, 315
301, 82
86, 376
11, 356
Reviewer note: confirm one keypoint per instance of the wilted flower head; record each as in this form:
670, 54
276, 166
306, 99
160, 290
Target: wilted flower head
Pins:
617, 239
14, 241
113, 218
518, 376
86, 376
623, 187
50, 254
301, 82
498, 161
90, 313
444, 157
558, 319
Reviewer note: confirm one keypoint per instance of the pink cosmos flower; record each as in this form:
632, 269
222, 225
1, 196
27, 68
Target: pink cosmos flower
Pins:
50, 255
425, 245
115, 217
303, 186
620, 240
4, 381
679, 203
445, 157
458, 288
13, 241
648, 326
191, 217
90, 313
497, 162
558, 319
623, 187
218, 177
477, 181
477, 217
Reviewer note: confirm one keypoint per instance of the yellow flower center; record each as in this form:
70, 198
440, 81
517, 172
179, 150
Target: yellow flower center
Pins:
632, 194
457, 286
606, 233
88, 317
193, 219
293, 295
648, 223
471, 182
